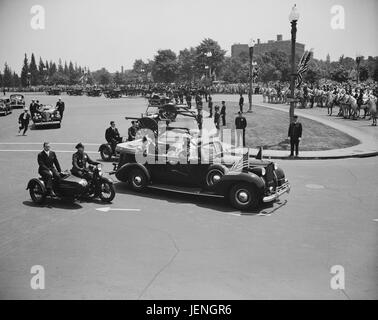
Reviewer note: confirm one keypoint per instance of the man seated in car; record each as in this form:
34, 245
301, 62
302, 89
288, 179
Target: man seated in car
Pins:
112, 136
132, 131
79, 163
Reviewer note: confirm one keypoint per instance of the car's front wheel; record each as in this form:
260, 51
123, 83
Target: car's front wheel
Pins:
37, 193
244, 196
138, 180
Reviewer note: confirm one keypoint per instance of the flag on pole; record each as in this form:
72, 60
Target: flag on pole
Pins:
303, 67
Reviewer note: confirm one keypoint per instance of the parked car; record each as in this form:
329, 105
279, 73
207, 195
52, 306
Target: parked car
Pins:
53, 91
17, 101
179, 162
75, 91
5, 107
113, 93
47, 115
94, 92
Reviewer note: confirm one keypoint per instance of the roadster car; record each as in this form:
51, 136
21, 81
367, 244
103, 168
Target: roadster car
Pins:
180, 162
47, 115
5, 107
17, 101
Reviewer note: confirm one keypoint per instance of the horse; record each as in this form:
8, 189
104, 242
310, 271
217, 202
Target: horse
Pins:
348, 103
331, 101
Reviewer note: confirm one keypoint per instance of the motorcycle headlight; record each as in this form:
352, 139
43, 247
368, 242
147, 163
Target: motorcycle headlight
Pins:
275, 166
83, 182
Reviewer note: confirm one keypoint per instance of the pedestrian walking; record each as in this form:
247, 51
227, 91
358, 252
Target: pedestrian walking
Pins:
210, 104
295, 136
240, 124
217, 117
23, 121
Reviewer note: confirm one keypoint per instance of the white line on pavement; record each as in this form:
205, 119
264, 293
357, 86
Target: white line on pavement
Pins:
60, 151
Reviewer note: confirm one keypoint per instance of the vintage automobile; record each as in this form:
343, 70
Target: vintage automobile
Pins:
180, 162
47, 115
94, 92
53, 91
75, 91
113, 93
17, 101
5, 107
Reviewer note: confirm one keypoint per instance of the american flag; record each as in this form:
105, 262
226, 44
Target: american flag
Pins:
241, 164
303, 67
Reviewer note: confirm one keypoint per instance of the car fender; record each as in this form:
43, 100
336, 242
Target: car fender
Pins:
38, 181
228, 180
104, 146
122, 173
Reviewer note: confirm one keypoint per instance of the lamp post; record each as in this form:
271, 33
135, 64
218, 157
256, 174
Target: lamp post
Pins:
358, 61
293, 17
250, 45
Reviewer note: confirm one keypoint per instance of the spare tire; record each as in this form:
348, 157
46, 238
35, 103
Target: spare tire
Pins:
214, 174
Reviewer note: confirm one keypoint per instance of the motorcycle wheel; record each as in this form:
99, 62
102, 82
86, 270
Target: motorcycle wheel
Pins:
37, 193
106, 154
107, 192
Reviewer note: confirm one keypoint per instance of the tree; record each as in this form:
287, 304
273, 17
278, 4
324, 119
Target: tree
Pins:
16, 80
41, 71
24, 72
102, 76
209, 53
7, 76
34, 79
165, 66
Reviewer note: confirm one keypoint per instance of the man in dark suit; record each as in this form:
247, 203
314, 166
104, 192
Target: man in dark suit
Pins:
23, 121
240, 125
241, 103
49, 167
210, 104
80, 159
294, 136
223, 113
217, 117
112, 136
60, 106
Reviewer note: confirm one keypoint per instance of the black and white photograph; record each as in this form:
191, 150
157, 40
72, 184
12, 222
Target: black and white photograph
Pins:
188, 150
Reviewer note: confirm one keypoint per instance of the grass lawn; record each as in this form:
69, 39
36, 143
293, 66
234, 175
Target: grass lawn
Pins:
268, 128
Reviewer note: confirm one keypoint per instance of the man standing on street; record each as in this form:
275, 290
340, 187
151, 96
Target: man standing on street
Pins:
241, 102
217, 117
23, 121
294, 136
210, 104
49, 167
223, 113
240, 124
60, 106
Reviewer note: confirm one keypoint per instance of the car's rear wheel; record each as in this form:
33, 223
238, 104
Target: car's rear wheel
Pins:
37, 193
244, 196
138, 180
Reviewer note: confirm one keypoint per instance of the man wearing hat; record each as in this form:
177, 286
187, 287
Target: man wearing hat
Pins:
217, 116
79, 163
294, 136
60, 106
240, 125
23, 121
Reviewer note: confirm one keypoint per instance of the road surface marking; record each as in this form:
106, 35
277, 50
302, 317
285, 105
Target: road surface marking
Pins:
60, 151
106, 209
60, 143
314, 186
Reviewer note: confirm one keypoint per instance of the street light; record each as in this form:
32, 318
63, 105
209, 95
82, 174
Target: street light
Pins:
293, 18
250, 45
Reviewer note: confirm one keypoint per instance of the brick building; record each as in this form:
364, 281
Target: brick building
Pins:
271, 45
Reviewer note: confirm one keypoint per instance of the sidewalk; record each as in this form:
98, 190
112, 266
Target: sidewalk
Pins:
361, 130
367, 147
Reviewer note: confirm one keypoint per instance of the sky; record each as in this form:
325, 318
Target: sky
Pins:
113, 33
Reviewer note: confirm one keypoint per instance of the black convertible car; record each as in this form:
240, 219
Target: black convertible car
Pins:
180, 162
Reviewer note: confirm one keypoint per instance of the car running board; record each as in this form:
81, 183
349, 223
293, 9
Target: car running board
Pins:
185, 190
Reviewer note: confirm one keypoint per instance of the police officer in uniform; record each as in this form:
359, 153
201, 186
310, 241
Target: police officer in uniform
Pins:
295, 136
240, 124
79, 163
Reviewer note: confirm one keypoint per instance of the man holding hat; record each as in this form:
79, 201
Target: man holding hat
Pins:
23, 121
294, 136
79, 163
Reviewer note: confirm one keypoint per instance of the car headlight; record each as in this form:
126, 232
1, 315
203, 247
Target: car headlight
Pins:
275, 166
263, 171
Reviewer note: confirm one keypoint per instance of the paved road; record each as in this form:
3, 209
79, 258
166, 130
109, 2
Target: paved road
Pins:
183, 247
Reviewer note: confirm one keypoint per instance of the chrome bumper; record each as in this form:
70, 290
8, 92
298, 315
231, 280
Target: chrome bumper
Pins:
279, 192
46, 123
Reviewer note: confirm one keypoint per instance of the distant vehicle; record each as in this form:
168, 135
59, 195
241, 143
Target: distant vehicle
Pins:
17, 101
53, 92
179, 165
47, 115
94, 92
75, 91
113, 93
5, 107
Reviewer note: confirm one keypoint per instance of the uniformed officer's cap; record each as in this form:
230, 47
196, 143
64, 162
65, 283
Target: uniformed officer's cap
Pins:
79, 145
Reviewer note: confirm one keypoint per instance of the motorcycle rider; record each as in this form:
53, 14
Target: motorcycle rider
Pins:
47, 160
79, 163
112, 136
